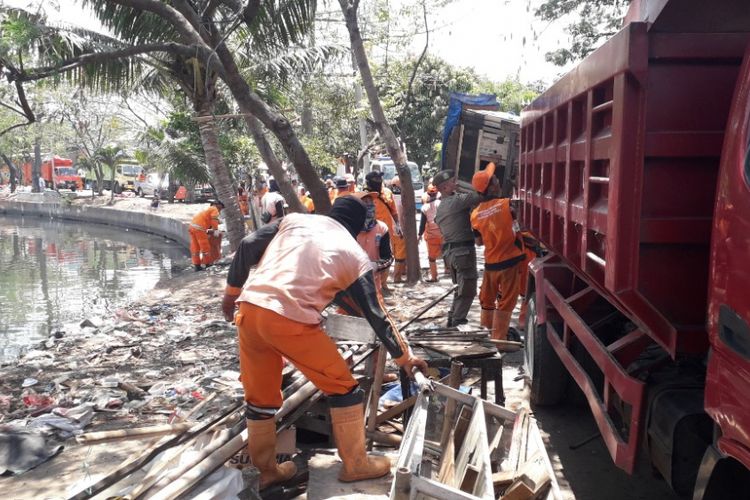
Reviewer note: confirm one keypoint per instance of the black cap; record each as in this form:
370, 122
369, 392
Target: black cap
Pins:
216, 203
340, 183
350, 212
374, 176
442, 177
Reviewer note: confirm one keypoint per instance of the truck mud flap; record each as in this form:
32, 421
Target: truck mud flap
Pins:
623, 447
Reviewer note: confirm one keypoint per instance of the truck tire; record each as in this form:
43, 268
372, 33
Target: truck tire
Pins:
549, 379
118, 188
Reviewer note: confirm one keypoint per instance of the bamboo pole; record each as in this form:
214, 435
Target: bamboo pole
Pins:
137, 433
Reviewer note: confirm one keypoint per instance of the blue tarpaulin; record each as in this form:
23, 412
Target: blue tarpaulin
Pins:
454, 112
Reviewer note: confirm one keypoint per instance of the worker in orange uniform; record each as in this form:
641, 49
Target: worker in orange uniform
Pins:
492, 222
343, 187
303, 263
398, 242
243, 199
429, 229
385, 210
305, 200
374, 238
205, 225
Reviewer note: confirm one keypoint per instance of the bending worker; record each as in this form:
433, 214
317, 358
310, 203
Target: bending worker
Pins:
304, 262
460, 255
203, 229
503, 254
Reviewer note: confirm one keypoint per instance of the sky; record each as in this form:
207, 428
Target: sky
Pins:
498, 38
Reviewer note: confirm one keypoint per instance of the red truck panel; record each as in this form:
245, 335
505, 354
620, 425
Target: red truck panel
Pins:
727, 396
618, 170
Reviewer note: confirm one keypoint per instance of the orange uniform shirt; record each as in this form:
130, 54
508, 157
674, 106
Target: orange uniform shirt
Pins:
207, 219
494, 221
307, 263
385, 208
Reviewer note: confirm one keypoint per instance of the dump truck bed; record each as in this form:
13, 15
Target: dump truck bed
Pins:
619, 161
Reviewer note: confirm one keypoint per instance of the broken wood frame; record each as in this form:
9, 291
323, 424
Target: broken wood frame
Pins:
465, 473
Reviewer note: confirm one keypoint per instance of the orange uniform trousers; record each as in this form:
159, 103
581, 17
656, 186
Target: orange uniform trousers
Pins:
398, 245
434, 248
265, 337
500, 289
215, 254
200, 247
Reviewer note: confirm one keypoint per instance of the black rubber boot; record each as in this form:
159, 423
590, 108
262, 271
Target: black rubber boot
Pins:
197, 267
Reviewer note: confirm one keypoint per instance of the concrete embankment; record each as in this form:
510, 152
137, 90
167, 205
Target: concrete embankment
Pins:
53, 206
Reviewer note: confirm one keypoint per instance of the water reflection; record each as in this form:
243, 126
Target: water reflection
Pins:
55, 272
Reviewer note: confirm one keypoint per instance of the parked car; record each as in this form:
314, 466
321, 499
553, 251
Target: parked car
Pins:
385, 165
203, 192
153, 181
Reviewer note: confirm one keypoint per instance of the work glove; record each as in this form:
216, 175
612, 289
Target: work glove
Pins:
412, 362
397, 229
228, 306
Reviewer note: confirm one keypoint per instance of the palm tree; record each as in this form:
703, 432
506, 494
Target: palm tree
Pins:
111, 156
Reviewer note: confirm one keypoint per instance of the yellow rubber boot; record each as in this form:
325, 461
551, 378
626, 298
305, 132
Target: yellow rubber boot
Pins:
500, 324
349, 431
486, 318
261, 444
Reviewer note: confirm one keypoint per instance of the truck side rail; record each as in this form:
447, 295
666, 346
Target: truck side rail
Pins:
618, 390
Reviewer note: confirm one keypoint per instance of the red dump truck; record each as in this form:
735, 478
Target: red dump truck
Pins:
57, 172
635, 173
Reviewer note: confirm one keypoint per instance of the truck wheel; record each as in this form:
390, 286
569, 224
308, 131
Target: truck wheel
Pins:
547, 373
118, 188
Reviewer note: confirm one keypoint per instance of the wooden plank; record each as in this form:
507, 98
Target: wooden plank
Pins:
532, 480
375, 389
396, 410
518, 441
447, 469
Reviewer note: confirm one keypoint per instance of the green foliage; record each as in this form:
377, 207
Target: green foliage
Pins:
591, 22
320, 156
421, 125
511, 93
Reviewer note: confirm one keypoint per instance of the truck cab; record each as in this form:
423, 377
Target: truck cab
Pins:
727, 397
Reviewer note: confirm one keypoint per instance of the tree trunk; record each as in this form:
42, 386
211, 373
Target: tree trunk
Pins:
250, 103
409, 222
36, 169
112, 184
12, 172
99, 174
225, 188
274, 164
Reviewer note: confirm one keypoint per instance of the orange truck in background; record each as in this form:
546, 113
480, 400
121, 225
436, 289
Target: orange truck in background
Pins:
58, 173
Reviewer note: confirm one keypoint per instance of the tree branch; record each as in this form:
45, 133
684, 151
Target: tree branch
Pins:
410, 88
97, 57
14, 127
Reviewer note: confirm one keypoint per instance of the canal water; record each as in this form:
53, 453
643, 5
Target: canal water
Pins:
56, 272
